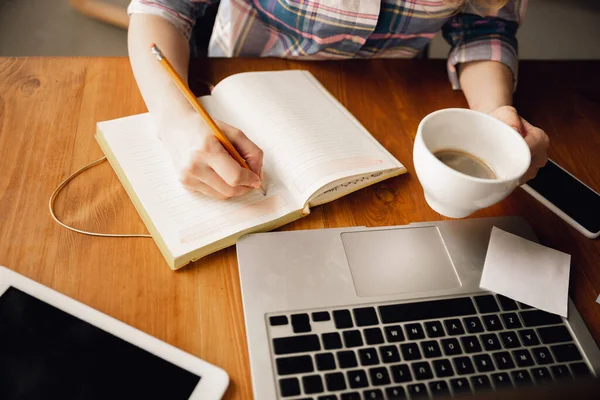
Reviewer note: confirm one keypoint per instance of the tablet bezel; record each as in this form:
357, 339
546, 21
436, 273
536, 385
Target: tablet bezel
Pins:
213, 380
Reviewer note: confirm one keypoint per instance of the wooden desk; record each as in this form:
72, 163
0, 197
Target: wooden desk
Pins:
48, 111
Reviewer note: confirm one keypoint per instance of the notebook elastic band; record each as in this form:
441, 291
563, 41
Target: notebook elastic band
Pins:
61, 187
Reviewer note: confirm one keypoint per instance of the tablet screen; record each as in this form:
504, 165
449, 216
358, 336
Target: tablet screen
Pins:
46, 353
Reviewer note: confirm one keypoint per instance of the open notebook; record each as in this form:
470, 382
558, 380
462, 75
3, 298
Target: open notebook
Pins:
315, 151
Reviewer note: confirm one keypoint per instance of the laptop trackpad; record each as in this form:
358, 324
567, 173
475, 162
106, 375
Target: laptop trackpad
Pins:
394, 261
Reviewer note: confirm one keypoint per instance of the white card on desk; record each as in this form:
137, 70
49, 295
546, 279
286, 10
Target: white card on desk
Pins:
527, 272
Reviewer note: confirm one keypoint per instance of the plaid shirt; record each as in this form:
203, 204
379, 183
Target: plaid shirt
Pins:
341, 29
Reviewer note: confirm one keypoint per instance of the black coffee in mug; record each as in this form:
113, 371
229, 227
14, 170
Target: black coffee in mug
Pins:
465, 163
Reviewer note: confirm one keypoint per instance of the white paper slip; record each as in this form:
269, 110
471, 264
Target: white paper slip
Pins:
527, 272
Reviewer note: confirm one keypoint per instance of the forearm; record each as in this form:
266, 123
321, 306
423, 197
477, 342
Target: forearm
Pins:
487, 85
162, 97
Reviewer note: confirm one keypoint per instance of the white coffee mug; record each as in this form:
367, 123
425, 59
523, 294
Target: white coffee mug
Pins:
452, 193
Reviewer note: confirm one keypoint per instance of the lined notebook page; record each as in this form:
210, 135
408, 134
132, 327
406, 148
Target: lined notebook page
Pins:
308, 137
185, 220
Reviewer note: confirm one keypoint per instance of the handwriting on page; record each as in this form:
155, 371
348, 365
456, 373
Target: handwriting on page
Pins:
353, 182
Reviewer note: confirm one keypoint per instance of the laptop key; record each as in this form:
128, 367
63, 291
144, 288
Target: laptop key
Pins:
506, 304
278, 320
389, 354
365, 316
335, 382
296, 344
332, 341
454, 327
373, 394
510, 340
443, 368
394, 333
560, 372
325, 362
351, 396
373, 336
422, 370
511, 321
503, 360
425, 310
522, 377
434, 329
347, 359
460, 385
439, 388
486, 304
289, 387
321, 316
357, 379
401, 373
342, 319
312, 384
417, 391
538, 318
492, 323
490, 342
580, 370
395, 393
541, 375
555, 334
471, 344
368, 356
484, 363
414, 331
301, 323
463, 365
410, 351
294, 365
542, 356
528, 337
451, 347
473, 325
523, 358
328, 397
566, 352
481, 382
501, 379
352, 338
431, 349
524, 306
379, 376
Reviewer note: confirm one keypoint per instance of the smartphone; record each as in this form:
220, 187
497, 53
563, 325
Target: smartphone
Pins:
567, 197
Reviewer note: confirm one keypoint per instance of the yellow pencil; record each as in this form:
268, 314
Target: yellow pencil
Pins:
185, 90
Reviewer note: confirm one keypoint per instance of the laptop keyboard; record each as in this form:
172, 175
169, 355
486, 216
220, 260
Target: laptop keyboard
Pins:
418, 350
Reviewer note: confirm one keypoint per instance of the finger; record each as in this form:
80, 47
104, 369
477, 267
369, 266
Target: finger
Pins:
247, 149
208, 176
230, 171
538, 161
536, 137
537, 140
509, 116
194, 185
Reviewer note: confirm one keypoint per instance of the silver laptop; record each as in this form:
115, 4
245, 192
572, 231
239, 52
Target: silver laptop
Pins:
395, 313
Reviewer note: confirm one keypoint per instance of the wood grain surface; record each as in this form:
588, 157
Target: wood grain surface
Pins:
48, 111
